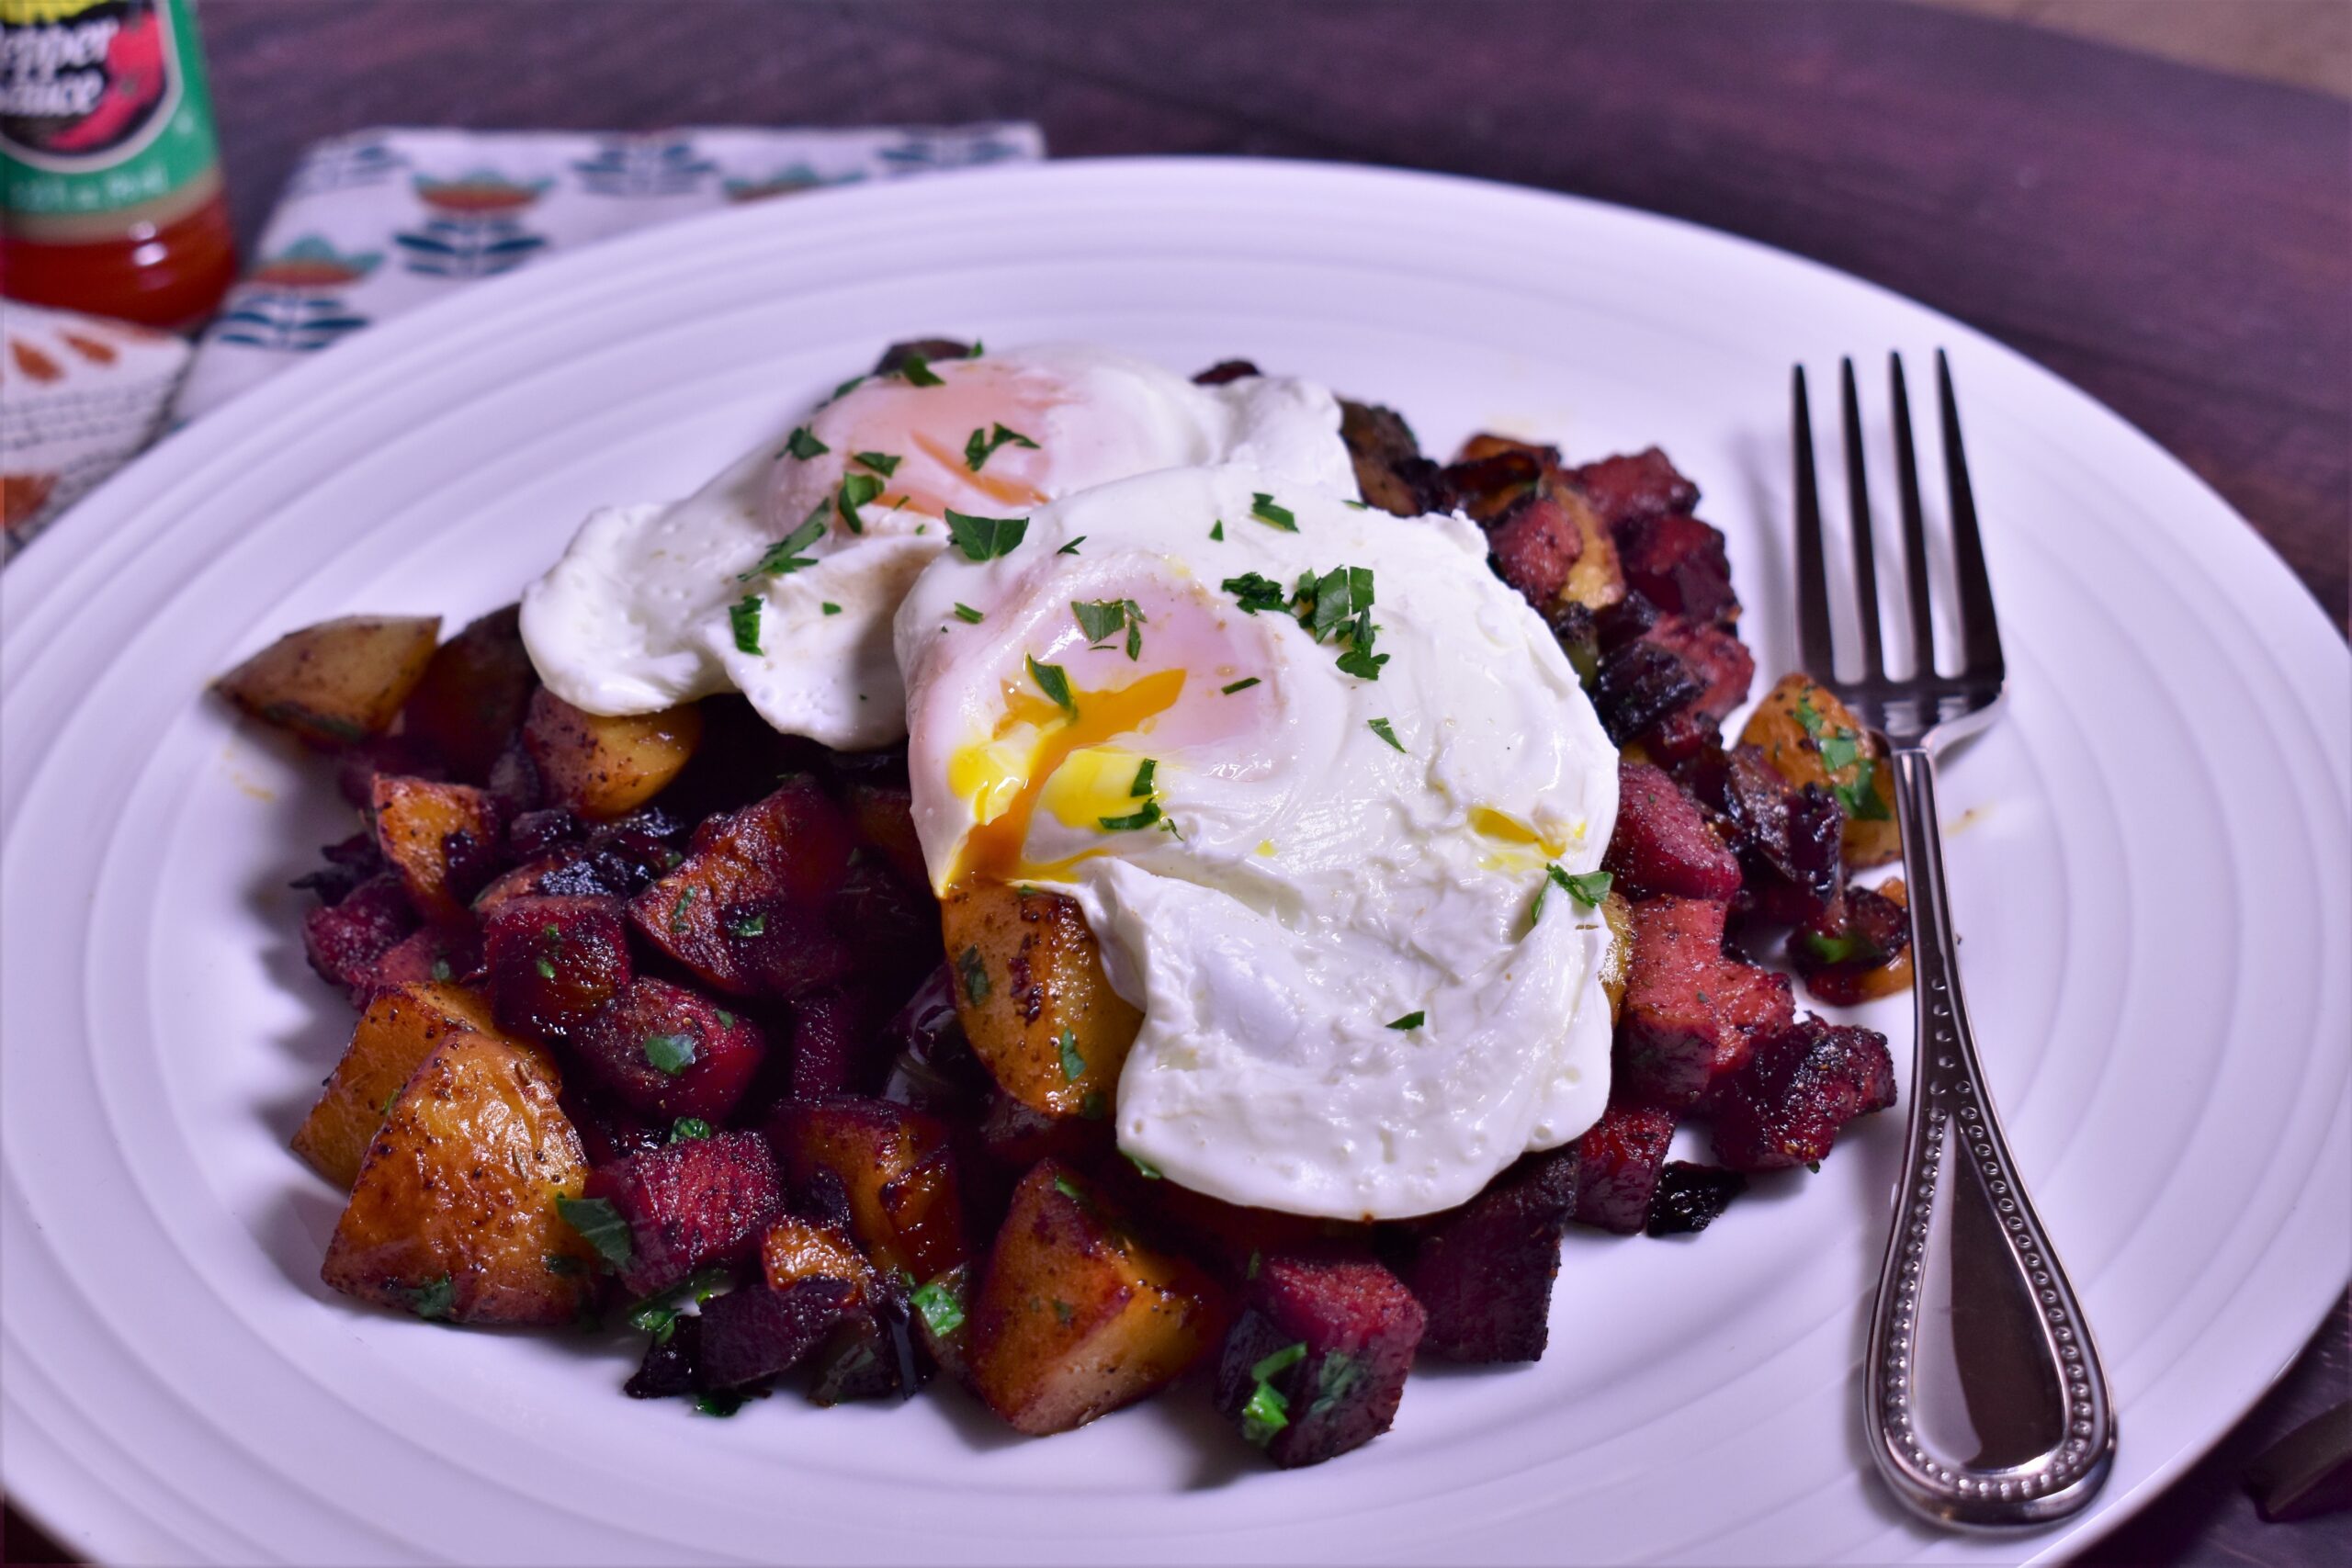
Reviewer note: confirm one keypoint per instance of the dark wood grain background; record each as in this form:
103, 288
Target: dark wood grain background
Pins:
2177, 241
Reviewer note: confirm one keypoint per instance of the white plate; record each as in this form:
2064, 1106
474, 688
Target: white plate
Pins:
2148, 858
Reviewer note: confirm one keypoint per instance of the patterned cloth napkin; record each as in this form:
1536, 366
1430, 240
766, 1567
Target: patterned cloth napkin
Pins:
380, 222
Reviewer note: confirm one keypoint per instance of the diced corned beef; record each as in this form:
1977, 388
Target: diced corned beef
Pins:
1677, 562
1641, 484
687, 1205
1800, 1087
1330, 1341
1484, 1272
1619, 1159
1662, 843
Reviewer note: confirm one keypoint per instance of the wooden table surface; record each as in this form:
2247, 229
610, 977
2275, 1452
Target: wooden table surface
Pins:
2176, 242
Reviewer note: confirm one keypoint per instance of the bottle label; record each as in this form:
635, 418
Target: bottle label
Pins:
102, 104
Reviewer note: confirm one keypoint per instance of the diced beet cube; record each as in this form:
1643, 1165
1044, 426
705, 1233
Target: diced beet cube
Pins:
1618, 1161
350, 861
555, 963
345, 941
1639, 685
669, 1052
703, 1201
890, 925
1484, 1272
607, 1132
1786, 838
871, 1352
1315, 1364
1226, 370
668, 1370
831, 1046
1690, 1013
1800, 1086
1677, 562
1533, 545
433, 953
1690, 1197
1642, 484
754, 1333
746, 909
1716, 658
1662, 843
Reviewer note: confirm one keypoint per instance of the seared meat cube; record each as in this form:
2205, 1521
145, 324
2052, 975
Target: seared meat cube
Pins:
751, 1335
1717, 659
1315, 1364
1535, 544
744, 910
1800, 1086
1786, 838
1859, 949
1690, 1013
1662, 843
831, 1046
1639, 685
554, 963
345, 941
703, 1201
1390, 469
1642, 484
1691, 1197
670, 1367
1619, 1161
1678, 563
669, 1052
1484, 1272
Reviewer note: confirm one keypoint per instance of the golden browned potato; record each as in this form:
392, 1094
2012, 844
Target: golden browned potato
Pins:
337, 683
1810, 736
604, 767
453, 1214
474, 692
1618, 915
1076, 1317
896, 1170
1035, 1003
1597, 580
433, 835
399, 1029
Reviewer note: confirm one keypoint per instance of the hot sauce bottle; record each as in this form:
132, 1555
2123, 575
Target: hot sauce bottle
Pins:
110, 193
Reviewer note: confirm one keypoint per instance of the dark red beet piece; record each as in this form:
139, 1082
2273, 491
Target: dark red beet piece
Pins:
433, 953
829, 1046
1484, 1272
1619, 1159
703, 1201
669, 1052
1690, 1013
669, 1368
1677, 562
345, 941
1226, 370
1840, 952
891, 927
755, 1333
1639, 685
1800, 1086
1533, 545
607, 1132
555, 963
1357, 1327
1642, 484
1662, 843
1786, 838
746, 909
1691, 1197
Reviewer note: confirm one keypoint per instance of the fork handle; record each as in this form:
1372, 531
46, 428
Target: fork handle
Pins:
1986, 1404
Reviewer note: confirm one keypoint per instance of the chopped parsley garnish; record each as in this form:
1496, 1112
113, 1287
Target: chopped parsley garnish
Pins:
1102, 619
433, 1298
968, 615
1141, 789
1410, 1020
722, 1404
1070, 1189
655, 1319
1071, 549
1334, 1381
744, 617
1268, 1412
748, 926
803, 444
1054, 684
678, 912
1074, 1065
441, 970
1254, 593
985, 538
688, 1128
883, 463
1357, 505
982, 444
1281, 1361
1841, 748
1586, 888
918, 372
1332, 606
1262, 507
1142, 818
1241, 685
941, 1306
669, 1054
830, 607
1063, 1311
783, 557
545, 967
846, 388
975, 975
1257, 1260
1217, 530
1144, 1167
1092, 1107
600, 1226
1380, 726
1335, 597
858, 490
561, 1264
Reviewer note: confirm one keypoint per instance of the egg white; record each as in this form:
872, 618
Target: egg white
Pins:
635, 615
1309, 885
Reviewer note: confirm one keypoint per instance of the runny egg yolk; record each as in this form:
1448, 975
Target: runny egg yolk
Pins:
1006, 786
1528, 847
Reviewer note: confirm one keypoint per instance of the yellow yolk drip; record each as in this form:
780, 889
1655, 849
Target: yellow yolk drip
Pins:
1528, 848
1012, 492
993, 849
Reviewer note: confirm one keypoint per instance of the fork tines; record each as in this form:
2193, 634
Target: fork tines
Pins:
1980, 634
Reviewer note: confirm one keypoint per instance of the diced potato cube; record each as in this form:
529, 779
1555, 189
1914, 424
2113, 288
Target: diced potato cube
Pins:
1810, 736
1036, 1004
604, 767
337, 683
895, 1168
1077, 1316
399, 1029
441, 839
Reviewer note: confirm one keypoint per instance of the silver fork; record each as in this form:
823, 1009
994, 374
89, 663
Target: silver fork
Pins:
1985, 1404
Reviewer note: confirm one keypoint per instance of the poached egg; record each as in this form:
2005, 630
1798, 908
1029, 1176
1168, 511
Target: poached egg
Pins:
780, 576
1326, 791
